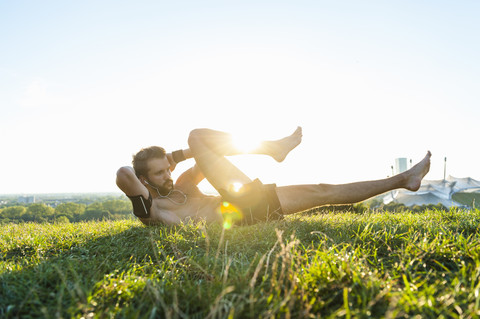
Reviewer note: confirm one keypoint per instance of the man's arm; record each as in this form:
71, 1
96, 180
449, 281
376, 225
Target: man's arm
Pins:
189, 179
178, 156
128, 182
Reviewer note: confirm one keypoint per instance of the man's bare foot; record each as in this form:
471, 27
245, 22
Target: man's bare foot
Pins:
279, 149
415, 174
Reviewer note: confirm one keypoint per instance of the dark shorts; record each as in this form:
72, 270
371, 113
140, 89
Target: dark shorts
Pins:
255, 202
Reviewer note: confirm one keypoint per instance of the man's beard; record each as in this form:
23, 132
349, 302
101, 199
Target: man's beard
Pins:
163, 189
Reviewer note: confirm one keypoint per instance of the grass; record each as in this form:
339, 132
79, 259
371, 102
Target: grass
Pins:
336, 264
468, 199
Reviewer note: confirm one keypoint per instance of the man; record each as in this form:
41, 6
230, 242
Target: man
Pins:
156, 199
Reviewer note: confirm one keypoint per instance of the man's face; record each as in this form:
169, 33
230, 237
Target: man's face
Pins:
159, 175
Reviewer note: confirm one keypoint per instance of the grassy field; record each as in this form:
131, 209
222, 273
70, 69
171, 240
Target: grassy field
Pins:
336, 264
468, 199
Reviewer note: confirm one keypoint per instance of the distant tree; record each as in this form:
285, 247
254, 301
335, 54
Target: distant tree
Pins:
13, 212
62, 220
39, 213
95, 206
96, 214
105, 207
72, 211
117, 206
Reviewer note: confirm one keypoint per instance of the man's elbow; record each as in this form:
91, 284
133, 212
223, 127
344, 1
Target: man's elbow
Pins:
124, 174
124, 170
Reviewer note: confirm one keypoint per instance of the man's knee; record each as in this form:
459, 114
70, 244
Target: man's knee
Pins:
193, 137
197, 135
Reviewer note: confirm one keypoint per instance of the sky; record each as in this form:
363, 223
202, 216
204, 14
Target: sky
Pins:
86, 84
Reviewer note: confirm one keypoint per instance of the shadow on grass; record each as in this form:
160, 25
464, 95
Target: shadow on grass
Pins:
59, 282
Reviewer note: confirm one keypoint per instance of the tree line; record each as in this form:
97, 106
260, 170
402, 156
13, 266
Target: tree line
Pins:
114, 209
67, 212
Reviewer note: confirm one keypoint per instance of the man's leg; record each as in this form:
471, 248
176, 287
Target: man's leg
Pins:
298, 198
210, 147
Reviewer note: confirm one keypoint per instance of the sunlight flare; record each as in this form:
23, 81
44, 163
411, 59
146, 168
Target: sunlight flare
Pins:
236, 187
231, 214
245, 143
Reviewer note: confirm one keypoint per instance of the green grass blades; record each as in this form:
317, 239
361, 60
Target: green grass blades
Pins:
315, 264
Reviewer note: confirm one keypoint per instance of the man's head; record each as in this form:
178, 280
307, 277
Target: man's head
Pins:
152, 168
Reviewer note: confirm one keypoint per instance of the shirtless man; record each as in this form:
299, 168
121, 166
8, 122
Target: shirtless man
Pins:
156, 199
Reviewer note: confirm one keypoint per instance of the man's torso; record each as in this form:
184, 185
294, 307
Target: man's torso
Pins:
196, 207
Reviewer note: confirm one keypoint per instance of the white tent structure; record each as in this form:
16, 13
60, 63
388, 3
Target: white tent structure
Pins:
434, 192
463, 184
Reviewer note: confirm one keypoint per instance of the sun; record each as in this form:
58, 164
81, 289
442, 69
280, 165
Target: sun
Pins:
245, 143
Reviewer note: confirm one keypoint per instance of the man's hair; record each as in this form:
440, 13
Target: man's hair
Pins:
143, 156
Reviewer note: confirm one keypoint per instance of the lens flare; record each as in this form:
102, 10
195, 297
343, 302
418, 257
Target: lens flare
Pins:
231, 214
236, 187
245, 144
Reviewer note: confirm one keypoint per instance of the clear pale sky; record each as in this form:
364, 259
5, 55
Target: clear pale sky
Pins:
85, 84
